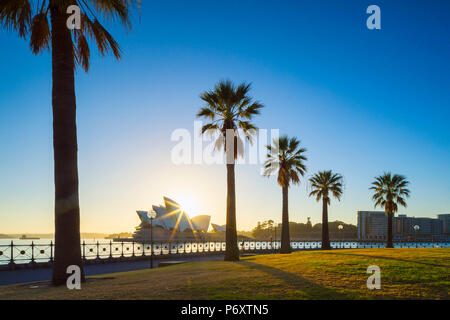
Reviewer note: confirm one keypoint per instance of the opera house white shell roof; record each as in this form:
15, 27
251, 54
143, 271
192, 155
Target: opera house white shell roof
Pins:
217, 228
171, 216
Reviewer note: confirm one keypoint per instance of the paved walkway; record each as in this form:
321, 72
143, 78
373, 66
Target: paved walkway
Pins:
34, 275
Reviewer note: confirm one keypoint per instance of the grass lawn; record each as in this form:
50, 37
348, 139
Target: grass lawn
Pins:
336, 274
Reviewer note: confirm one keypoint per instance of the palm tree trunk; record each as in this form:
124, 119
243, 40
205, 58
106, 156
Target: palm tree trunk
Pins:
231, 252
325, 232
285, 238
389, 231
67, 210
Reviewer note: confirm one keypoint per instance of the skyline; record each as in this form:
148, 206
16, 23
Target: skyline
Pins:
341, 89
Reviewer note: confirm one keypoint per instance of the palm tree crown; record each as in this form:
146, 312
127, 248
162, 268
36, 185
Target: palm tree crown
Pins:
325, 183
390, 190
31, 18
287, 157
229, 108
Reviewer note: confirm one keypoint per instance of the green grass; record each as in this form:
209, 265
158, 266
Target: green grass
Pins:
336, 274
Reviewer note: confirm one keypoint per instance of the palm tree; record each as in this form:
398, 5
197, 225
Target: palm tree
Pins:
324, 184
286, 158
389, 192
229, 108
45, 23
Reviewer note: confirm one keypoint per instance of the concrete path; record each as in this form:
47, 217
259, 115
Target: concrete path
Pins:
34, 275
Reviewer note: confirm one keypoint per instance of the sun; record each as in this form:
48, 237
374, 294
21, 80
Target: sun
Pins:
188, 205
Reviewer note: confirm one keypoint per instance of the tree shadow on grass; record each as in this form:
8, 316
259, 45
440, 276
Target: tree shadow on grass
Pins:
311, 289
387, 258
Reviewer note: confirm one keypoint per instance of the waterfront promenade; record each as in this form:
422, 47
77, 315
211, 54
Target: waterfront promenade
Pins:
45, 274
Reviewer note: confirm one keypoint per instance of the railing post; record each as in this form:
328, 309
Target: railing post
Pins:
110, 249
132, 243
122, 251
98, 251
143, 248
32, 252
151, 254
11, 260
84, 251
51, 251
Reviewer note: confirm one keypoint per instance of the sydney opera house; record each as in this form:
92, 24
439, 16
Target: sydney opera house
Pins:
171, 222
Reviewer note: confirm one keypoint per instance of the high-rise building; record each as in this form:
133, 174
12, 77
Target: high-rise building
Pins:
445, 218
372, 225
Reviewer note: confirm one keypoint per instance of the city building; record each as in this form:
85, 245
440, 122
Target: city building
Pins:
445, 218
372, 225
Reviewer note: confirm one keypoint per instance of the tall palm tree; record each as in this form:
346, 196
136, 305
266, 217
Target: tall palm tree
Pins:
229, 108
325, 184
389, 192
45, 23
286, 158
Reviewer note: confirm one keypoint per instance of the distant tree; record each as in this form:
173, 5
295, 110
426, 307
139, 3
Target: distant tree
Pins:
324, 184
257, 230
308, 225
264, 225
287, 159
263, 230
298, 229
389, 192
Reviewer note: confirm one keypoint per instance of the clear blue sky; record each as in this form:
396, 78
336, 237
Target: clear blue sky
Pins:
362, 102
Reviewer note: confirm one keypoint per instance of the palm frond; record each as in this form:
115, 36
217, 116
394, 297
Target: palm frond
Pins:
251, 110
206, 113
105, 41
15, 15
40, 33
113, 10
83, 52
210, 128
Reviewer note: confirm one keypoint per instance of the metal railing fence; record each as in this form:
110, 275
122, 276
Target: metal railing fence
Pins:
123, 251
